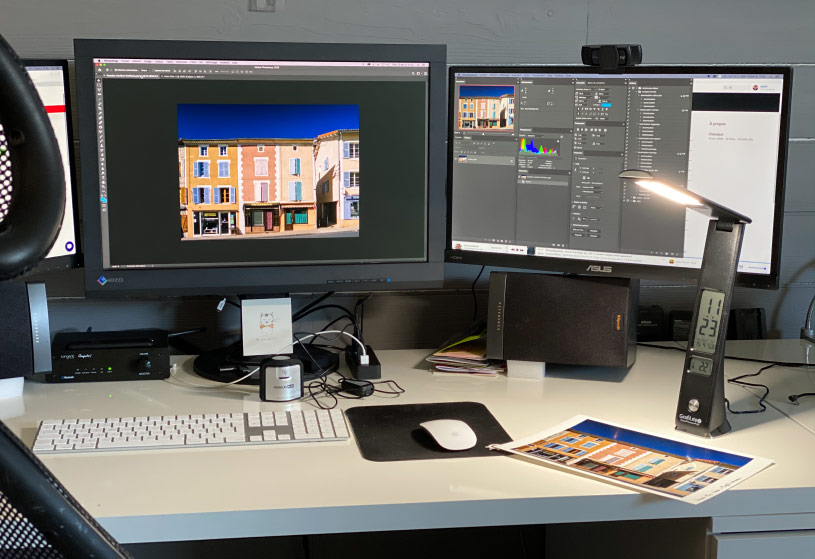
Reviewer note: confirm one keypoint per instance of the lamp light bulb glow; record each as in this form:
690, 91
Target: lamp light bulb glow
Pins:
673, 194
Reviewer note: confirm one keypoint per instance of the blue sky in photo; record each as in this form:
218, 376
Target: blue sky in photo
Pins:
657, 443
485, 90
227, 122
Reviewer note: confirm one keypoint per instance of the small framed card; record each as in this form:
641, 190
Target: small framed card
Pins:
266, 326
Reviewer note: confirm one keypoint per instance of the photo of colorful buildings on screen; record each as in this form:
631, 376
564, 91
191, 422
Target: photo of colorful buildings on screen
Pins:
486, 107
268, 171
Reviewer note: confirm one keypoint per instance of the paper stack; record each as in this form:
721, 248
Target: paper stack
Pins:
466, 353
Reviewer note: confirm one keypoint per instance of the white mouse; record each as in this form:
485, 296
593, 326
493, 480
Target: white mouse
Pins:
451, 434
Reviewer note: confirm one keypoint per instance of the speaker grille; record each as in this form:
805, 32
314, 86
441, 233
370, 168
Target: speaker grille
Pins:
15, 334
566, 320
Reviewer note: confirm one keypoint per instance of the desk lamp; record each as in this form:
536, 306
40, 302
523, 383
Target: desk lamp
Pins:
701, 406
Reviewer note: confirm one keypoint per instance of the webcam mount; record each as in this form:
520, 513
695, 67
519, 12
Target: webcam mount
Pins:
611, 59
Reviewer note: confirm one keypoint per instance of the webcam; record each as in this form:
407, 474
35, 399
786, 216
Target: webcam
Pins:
611, 58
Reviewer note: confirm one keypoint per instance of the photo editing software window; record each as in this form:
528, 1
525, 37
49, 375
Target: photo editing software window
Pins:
536, 158
238, 162
49, 82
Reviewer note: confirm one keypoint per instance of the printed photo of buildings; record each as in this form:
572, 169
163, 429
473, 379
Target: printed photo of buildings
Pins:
268, 171
490, 107
636, 458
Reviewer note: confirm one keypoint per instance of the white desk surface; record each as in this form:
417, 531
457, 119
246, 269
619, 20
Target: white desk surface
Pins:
782, 381
202, 493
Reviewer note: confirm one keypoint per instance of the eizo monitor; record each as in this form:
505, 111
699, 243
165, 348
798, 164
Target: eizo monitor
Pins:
50, 78
261, 168
535, 152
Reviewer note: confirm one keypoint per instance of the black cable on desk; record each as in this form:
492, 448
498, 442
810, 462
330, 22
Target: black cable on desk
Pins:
795, 397
733, 357
738, 381
475, 299
328, 327
345, 312
359, 313
305, 310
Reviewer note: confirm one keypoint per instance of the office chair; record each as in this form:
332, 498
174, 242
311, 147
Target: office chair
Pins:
38, 517
32, 182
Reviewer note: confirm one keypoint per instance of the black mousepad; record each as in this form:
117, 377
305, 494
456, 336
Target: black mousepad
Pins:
392, 433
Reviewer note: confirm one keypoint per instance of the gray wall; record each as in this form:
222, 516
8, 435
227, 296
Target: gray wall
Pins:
513, 31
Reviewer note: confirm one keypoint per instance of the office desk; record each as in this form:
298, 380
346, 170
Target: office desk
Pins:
205, 493
785, 380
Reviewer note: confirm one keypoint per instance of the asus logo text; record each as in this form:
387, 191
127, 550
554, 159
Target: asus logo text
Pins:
596, 268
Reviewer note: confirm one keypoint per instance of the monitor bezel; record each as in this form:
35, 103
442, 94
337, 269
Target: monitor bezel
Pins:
263, 279
75, 260
617, 269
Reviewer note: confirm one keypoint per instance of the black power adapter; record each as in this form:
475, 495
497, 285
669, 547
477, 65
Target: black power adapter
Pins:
361, 388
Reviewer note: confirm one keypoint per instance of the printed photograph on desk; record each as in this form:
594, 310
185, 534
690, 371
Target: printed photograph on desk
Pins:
268, 171
637, 460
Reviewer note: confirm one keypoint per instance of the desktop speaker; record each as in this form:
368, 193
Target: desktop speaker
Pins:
25, 340
569, 320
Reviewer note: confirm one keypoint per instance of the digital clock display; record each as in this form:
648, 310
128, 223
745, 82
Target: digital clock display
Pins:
700, 366
708, 321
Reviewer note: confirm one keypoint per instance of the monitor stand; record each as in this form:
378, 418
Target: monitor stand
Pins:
228, 364
268, 322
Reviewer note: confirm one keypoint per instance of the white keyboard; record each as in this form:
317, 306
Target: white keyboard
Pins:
56, 436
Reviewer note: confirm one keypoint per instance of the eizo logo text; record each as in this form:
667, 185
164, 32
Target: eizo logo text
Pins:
596, 268
103, 280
